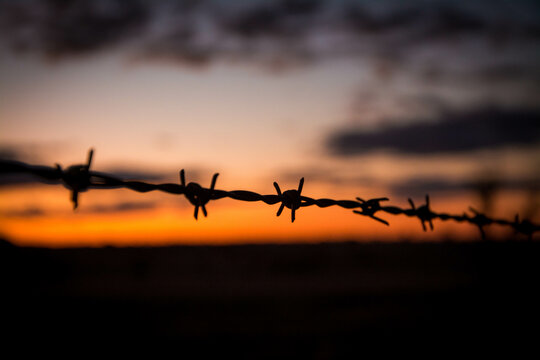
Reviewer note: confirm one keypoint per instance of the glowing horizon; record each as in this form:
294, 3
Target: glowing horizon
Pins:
169, 220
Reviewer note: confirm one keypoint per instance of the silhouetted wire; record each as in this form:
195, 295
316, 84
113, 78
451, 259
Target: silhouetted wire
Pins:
79, 178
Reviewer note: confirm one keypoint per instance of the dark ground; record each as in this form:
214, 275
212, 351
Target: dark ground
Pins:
319, 301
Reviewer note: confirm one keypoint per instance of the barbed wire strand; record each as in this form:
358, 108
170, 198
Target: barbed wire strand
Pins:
79, 178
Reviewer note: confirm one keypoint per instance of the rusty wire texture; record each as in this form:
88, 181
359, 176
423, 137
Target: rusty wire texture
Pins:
79, 178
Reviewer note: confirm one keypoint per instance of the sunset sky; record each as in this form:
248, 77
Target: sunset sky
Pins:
362, 98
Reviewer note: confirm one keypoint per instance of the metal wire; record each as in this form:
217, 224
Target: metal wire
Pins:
79, 178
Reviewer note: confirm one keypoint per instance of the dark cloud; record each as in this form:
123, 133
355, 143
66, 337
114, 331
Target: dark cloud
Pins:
10, 153
418, 187
438, 20
452, 132
28, 212
24, 153
34, 211
23, 179
327, 176
29, 151
120, 207
448, 22
506, 72
361, 20
60, 28
287, 18
200, 32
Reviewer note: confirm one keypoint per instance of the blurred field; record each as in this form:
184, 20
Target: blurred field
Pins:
273, 300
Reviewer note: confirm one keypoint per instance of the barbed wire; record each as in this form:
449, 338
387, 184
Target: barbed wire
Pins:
79, 178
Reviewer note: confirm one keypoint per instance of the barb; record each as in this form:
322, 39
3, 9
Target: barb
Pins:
291, 199
525, 227
480, 220
370, 207
423, 213
197, 195
79, 178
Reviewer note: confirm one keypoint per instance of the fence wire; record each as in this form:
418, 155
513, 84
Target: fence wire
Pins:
79, 178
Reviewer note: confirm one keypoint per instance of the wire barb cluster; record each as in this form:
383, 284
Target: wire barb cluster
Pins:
79, 178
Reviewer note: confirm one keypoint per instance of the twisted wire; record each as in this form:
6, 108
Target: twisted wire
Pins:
79, 178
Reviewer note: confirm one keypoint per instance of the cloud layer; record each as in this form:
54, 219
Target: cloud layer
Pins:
280, 32
36, 211
418, 187
452, 132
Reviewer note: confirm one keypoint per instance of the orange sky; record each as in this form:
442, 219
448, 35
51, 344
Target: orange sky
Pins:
263, 107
